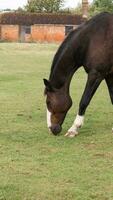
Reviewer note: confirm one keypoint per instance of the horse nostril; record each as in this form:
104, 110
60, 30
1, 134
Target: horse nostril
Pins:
55, 129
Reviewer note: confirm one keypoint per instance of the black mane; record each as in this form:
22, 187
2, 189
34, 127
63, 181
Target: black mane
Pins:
65, 44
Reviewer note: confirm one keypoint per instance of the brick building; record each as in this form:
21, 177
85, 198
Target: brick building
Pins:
26, 27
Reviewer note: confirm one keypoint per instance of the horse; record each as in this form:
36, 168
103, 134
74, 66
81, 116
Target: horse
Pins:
89, 46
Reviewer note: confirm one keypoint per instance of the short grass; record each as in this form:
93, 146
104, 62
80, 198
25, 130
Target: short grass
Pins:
35, 165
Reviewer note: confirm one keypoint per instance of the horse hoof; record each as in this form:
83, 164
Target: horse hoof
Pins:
71, 134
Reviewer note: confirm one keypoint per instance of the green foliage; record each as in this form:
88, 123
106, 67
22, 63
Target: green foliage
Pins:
78, 9
49, 6
75, 10
101, 6
20, 10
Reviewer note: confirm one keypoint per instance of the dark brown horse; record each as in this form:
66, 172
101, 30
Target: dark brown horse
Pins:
90, 46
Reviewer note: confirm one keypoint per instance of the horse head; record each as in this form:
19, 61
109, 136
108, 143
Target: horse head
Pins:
58, 103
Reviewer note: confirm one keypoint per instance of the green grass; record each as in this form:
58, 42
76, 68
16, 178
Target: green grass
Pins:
35, 165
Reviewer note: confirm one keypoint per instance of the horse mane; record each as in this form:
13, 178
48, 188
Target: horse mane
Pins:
64, 45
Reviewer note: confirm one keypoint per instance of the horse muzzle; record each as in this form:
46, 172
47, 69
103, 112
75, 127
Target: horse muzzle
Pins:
55, 129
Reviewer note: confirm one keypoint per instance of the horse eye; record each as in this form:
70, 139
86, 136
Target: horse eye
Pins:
48, 103
62, 112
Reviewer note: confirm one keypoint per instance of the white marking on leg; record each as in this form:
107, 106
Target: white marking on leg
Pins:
79, 121
73, 131
48, 119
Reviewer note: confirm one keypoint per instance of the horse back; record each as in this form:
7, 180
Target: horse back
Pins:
99, 31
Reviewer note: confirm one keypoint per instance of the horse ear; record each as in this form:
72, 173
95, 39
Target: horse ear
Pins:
48, 85
46, 82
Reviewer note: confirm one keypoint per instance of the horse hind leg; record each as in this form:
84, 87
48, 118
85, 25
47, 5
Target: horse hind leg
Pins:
109, 82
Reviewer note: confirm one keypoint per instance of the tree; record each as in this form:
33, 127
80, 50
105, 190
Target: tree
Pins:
78, 9
101, 6
49, 6
20, 10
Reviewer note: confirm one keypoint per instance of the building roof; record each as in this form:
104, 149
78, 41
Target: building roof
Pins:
34, 18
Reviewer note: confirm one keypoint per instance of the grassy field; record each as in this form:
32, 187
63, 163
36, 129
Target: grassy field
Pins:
35, 165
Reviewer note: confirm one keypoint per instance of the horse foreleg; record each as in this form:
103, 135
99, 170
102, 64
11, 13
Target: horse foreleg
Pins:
94, 80
78, 123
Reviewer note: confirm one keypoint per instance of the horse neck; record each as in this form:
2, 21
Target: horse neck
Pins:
67, 60
66, 85
63, 71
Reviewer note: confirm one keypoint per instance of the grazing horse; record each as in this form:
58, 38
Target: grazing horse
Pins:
89, 46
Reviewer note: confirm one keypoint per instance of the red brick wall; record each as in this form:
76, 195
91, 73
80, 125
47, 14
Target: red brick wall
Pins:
49, 33
10, 32
41, 33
